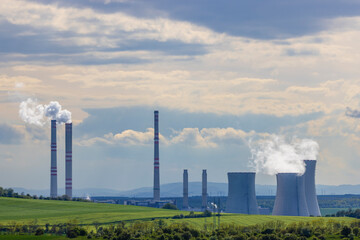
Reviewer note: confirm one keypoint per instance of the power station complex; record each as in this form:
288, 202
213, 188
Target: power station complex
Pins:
295, 194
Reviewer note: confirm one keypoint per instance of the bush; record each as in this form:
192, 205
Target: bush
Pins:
39, 231
170, 206
73, 233
356, 231
345, 231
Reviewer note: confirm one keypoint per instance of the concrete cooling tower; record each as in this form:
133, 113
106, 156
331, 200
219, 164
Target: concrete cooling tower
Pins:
241, 194
310, 191
290, 195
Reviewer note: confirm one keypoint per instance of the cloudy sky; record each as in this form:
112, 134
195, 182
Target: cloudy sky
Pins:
220, 73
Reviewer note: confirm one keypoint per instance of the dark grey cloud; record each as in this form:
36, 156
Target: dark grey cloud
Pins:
352, 113
251, 18
115, 120
10, 135
55, 48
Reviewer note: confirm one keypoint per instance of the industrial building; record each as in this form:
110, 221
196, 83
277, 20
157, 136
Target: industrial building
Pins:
241, 193
290, 195
310, 190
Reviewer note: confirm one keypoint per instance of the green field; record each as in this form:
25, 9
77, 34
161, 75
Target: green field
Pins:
46, 211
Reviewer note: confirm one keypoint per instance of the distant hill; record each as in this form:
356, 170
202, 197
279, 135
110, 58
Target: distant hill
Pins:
175, 190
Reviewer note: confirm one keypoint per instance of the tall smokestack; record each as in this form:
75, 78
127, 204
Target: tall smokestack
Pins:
185, 189
68, 159
204, 189
241, 194
156, 157
310, 191
53, 177
290, 195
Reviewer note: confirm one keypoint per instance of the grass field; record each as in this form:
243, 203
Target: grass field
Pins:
45, 211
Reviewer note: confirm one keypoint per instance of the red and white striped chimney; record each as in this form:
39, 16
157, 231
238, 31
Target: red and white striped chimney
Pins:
68, 159
53, 170
156, 157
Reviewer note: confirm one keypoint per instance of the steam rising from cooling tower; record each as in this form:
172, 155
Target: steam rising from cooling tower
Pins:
33, 113
275, 155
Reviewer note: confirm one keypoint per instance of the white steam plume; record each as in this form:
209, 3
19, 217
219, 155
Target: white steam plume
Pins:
274, 155
33, 113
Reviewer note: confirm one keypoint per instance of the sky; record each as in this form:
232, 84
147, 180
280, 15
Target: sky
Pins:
221, 73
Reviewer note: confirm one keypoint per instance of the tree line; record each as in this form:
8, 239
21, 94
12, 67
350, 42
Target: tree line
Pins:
9, 192
160, 229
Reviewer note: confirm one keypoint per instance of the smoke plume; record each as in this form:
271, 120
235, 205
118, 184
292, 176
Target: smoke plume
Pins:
352, 113
274, 155
33, 113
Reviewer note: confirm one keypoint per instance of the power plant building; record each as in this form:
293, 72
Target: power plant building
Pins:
204, 190
241, 193
185, 189
156, 158
290, 195
310, 190
68, 159
53, 170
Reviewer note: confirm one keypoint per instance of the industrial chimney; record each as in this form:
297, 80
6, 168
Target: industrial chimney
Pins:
290, 195
310, 191
204, 190
156, 157
241, 194
68, 159
185, 189
53, 177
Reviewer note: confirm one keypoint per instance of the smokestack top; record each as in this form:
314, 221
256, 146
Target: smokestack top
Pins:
289, 174
231, 173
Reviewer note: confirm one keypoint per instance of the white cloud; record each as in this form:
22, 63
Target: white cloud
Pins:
89, 22
193, 137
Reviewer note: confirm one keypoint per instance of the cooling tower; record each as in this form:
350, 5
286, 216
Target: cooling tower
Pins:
290, 195
156, 157
185, 189
68, 159
310, 191
53, 176
204, 190
241, 194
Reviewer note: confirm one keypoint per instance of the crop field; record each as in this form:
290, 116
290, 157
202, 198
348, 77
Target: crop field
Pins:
45, 211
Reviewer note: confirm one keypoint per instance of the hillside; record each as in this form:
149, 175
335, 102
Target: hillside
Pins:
175, 190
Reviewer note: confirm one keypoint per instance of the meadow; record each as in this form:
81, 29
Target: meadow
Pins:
26, 211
